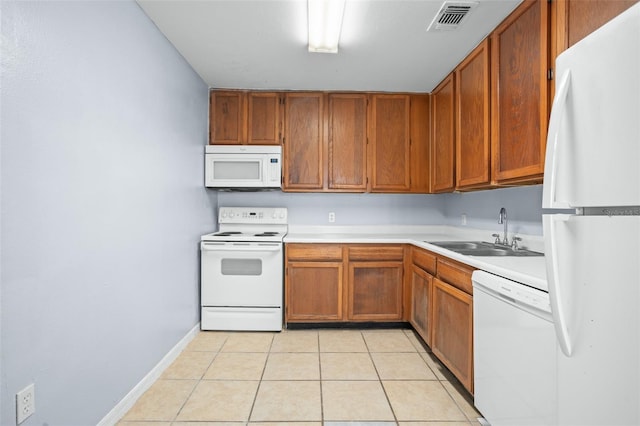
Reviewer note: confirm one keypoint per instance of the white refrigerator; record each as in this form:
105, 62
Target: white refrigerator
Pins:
592, 228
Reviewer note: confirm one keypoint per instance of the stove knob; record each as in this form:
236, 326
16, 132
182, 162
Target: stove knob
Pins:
281, 215
275, 215
224, 214
231, 215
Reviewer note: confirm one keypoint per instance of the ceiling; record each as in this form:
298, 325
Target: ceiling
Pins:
262, 44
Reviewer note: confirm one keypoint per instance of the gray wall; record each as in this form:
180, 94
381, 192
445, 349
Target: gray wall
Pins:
103, 128
350, 209
523, 206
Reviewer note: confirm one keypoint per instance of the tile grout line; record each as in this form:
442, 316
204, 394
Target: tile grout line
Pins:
375, 367
264, 368
198, 381
320, 372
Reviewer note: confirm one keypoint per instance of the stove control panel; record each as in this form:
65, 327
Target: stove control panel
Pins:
257, 215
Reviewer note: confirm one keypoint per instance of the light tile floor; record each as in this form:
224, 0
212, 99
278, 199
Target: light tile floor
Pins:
306, 377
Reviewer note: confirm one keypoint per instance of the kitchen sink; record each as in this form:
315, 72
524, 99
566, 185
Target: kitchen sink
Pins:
482, 248
461, 245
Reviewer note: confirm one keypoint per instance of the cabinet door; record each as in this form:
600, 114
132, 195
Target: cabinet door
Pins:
226, 117
314, 291
452, 330
576, 19
348, 142
472, 119
519, 89
421, 283
375, 290
303, 142
389, 143
263, 118
443, 144
420, 126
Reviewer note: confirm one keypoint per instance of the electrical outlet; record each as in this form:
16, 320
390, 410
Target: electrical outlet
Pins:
332, 217
463, 219
25, 403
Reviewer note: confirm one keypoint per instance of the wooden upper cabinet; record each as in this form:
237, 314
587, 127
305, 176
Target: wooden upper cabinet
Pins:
303, 142
443, 144
389, 143
420, 115
347, 146
519, 89
575, 19
226, 120
238, 117
473, 119
264, 118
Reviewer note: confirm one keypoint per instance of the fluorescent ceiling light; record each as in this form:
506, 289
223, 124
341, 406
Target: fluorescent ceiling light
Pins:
325, 23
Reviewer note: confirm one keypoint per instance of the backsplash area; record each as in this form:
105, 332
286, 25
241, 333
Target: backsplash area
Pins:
523, 204
349, 209
481, 208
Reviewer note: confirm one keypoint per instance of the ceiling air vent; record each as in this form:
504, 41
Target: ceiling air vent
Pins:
451, 15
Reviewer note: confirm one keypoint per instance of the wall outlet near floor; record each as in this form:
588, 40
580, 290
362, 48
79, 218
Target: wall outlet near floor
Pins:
332, 217
25, 403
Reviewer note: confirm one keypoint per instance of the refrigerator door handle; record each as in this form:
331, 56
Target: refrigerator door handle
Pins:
558, 306
551, 160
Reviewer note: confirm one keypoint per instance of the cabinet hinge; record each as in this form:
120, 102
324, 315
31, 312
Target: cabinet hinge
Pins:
550, 74
283, 139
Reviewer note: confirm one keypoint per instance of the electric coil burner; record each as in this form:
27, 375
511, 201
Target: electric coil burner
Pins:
242, 270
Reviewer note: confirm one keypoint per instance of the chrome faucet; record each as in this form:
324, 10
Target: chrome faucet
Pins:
502, 219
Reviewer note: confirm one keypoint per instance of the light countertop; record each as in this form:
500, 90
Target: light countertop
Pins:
527, 270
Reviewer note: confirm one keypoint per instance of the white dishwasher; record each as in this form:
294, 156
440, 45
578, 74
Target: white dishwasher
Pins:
514, 352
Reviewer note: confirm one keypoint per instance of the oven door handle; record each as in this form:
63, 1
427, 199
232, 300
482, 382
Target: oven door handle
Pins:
240, 247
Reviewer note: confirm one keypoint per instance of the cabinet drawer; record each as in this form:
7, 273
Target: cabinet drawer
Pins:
376, 253
456, 274
425, 260
313, 252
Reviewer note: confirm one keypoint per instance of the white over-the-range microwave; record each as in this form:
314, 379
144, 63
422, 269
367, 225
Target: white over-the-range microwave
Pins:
243, 167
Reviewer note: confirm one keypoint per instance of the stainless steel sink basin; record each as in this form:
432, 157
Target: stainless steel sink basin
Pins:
482, 248
461, 245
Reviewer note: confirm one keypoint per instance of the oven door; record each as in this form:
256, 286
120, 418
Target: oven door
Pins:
241, 274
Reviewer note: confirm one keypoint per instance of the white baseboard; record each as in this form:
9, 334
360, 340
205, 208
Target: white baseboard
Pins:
127, 402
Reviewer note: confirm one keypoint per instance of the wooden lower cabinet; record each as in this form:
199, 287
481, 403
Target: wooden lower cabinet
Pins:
344, 282
375, 291
421, 295
452, 330
314, 291
365, 282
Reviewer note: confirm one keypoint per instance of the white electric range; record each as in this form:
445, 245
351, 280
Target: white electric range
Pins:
242, 270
